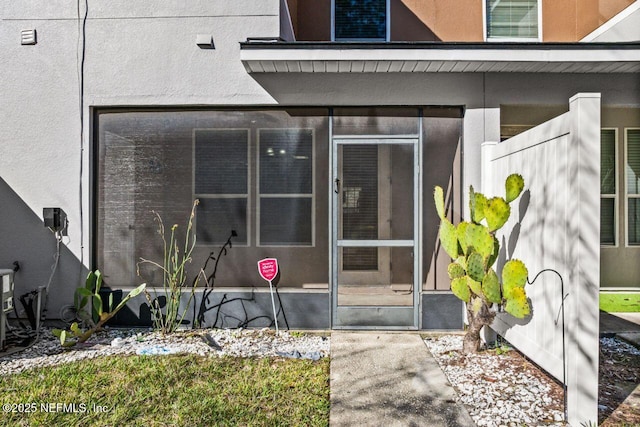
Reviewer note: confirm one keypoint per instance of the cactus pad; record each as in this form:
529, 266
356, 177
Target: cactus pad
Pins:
438, 198
476, 306
518, 305
462, 236
494, 255
491, 287
460, 289
455, 270
449, 238
480, 239
513, 186
476, 287
514, 276
475, 266
497, 213
462, 261
477, 205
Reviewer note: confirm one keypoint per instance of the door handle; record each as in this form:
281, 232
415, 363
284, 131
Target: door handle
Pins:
336, 185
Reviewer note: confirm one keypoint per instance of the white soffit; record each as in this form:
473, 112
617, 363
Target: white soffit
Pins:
323, 58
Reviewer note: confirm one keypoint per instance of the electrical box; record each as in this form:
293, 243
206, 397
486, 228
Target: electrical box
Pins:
6, 277
55, 219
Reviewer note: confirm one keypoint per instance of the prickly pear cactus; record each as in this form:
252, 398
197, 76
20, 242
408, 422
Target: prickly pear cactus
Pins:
461, 232
478, 203
514, 275
518, 305
460, 288
480, 239
474, 248
449, 238
513, 187
455, 270
491, 287
475, 286
475, 266
497, 213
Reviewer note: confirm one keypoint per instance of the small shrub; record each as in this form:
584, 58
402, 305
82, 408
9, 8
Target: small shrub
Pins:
89, 296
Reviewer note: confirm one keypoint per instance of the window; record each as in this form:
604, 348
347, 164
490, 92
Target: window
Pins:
608, 138
512, 19
632, 173
364, 20
285, 162
221, 182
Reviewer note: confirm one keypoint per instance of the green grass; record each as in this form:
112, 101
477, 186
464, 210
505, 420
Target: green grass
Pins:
180, 390
620, 302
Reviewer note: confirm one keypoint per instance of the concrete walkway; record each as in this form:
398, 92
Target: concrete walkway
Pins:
389, 379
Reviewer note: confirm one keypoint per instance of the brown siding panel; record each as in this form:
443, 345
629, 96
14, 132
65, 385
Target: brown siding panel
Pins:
314, 20
411, 20
448, 20
559, 20
572, 20
459, 20
293, 12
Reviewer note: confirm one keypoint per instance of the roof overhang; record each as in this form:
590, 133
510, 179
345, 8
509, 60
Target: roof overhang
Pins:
261, 56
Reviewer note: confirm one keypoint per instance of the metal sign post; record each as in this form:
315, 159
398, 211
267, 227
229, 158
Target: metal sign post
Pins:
268, 269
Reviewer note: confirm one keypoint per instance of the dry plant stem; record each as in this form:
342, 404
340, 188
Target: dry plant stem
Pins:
173, 275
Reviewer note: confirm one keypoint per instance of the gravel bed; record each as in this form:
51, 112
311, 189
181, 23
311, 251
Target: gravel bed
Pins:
210, 342
499, 390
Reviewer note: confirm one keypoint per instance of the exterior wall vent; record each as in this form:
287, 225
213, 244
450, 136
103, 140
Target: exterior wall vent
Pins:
29, 37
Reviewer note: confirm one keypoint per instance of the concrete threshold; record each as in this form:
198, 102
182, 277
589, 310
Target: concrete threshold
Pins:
389, 379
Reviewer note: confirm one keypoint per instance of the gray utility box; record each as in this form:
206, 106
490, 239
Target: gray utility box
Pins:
6, 276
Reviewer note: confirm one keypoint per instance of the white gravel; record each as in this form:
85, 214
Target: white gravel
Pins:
496, 393
230, 342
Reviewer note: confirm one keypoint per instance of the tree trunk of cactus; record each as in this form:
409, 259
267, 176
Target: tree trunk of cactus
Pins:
485, 316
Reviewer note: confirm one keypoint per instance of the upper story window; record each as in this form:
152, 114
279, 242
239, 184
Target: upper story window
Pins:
360, 20
512, 19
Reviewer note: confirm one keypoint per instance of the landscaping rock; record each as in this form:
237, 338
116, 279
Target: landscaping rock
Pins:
210, 342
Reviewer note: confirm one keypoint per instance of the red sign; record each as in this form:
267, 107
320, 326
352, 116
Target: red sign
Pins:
268, 268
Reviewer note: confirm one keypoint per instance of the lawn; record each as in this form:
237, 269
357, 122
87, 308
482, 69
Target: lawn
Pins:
176, 390
620, 302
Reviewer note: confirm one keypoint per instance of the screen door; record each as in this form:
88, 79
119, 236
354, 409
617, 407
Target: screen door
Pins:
375, 187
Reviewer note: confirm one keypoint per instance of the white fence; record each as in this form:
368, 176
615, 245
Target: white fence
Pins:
556, 225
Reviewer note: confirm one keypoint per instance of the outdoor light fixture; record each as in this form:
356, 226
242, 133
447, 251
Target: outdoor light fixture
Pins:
55, 219
205, 41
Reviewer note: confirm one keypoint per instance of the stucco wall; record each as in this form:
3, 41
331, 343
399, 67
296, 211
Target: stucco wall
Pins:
144, 53
137, 53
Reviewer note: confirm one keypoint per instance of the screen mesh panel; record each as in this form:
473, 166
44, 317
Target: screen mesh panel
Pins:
360, 19
221, 161
360, 204
217, 217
